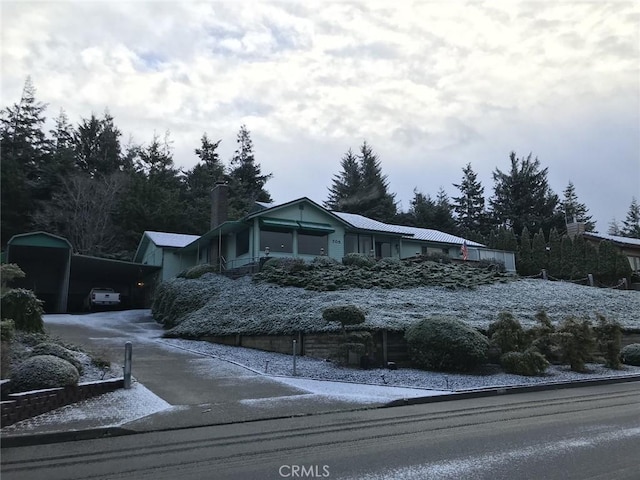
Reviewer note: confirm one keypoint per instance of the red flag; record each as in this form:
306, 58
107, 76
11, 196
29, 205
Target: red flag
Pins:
463, 249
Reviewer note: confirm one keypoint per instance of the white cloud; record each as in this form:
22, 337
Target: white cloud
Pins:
450, 82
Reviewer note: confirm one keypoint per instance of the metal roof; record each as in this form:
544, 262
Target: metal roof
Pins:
175, 240
614, 238
414, 233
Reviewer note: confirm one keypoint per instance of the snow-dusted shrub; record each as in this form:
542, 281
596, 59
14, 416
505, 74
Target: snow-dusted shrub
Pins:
576, 341
542, 338
7, 330
630, 355
286, 264
50, 348
198, 271
345, 314
178, 297
437, 258
445, 343
608, 335
358, 260
507, 334
324, 262
24, 308
529, 363
43, 371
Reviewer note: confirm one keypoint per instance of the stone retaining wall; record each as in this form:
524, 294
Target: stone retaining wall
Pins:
20, 406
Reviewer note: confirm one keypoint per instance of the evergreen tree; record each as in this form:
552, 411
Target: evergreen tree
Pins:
443, 214
375, 201
522, 197
614, 228
590, 259
555, 253
524, 255
579, 257
572, 210
246, 180
607, 256
422, 210
539, 254
631, 225
470, 205
344, 192
200, 180
566, 257
24, 150
97, 146
361, 187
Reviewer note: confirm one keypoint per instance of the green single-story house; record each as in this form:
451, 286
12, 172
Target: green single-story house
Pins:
300, 228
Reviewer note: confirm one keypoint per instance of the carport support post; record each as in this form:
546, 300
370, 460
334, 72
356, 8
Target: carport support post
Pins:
294, 358
127, 364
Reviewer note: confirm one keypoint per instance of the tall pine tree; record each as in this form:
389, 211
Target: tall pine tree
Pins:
631, 225
469, 207
246, 181
24, 152
522, 197
572, 210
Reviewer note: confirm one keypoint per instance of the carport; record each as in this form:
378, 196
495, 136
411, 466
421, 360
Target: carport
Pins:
63, 279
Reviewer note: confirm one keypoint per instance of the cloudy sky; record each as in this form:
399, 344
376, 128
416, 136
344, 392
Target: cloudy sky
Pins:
431, 86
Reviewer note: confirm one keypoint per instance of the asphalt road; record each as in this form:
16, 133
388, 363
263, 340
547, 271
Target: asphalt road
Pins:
582, 433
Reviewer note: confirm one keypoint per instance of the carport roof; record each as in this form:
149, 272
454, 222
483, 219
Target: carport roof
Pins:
39, 239
85, 265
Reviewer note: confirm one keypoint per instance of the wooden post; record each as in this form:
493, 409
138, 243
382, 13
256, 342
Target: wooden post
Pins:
294, 358
591, 282
544, 274
385, 343
127, 364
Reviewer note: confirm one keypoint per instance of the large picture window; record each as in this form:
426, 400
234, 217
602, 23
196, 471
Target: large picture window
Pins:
312, 244
276, 241
242, 243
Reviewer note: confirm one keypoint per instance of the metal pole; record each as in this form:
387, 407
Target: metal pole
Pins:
294, 358
127, 364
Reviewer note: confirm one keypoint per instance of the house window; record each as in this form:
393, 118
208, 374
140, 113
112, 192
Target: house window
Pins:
350, 243
312, 244
242, 243
276, 241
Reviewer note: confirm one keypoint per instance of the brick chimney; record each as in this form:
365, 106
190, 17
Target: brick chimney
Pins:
219, 204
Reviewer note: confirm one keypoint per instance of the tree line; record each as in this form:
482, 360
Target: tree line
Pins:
81, 182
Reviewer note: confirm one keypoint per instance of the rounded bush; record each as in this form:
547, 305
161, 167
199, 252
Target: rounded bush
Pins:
358, 260
630, 355
345, 314
24, 308
7, 330
57, 351
324, 262
442, 343
198, 271
529, 363
43, 371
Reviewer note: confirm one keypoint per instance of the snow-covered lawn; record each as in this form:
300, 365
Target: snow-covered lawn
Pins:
244, 307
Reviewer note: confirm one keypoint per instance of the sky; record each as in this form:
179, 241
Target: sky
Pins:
431, 86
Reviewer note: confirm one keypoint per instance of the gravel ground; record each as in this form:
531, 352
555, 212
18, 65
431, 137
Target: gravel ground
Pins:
241, 306
280, 364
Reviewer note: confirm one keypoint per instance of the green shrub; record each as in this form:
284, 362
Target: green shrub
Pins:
43, 371
24, 308
57, 351
8, 273
286, 264
358, 260
608, 334
324, 262
529, 363
198, 271
345, 314
507, 334
441, 343
630, 355
7, 330
577, 342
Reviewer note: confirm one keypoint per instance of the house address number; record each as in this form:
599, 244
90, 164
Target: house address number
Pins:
336, 241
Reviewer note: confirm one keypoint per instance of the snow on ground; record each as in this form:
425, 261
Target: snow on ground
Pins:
108, 410
320, 378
